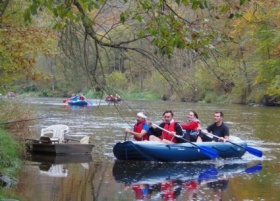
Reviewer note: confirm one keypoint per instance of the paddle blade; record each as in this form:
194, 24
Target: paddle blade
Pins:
64, 101
89, 103
254, 151
254, 169
208, 151
208, 174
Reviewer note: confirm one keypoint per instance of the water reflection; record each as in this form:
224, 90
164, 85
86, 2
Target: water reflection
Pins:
54, 165
168, 181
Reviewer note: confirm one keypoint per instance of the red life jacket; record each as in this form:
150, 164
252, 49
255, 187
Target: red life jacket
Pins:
138, 128
167, 190
138, 192
168, 136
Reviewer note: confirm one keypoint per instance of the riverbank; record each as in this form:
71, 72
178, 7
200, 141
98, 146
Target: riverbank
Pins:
10, 160
12, 147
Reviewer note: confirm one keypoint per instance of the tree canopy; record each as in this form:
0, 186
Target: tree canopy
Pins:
202, 48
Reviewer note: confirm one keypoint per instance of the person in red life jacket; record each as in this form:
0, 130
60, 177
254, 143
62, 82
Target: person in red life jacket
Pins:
141, 128
141, 191
192, 189
82, 97
170, 125
192, 127
170, 190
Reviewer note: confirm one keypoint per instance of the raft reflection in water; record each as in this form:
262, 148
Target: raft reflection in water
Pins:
170, 180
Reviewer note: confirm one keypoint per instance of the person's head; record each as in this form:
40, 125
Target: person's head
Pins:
218, 117
168, 116
141, 117
192, 115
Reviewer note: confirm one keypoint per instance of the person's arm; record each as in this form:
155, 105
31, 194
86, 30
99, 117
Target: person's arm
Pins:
156, 131
139, 135
179, 130
190, 126
226, 132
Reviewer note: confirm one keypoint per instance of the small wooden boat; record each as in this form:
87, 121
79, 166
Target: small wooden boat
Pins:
78, 102
48, 147
156, 151
58, 144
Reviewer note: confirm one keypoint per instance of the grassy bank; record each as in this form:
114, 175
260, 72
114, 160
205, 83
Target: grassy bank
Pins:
9, 153
10, 160
12, 147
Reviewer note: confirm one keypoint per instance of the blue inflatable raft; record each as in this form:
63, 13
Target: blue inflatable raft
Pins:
78, 102
156, 151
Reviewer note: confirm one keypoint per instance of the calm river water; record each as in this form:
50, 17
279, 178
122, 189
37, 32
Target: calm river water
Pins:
100, 177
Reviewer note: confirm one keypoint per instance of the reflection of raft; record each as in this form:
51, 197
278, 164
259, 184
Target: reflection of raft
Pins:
151, 173
154, 151
78, 102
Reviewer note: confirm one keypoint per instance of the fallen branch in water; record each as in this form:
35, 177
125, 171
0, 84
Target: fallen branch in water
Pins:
12, 122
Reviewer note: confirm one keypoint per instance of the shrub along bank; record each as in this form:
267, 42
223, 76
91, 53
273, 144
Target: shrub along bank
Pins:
10, 159
12, 147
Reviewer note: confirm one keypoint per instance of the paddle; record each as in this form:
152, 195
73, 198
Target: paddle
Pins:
208, 151
208, 174
89, 103
254, 169
251, 150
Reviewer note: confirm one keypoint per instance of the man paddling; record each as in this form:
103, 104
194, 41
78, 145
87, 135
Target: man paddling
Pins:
167, 130
141, 128
218, 128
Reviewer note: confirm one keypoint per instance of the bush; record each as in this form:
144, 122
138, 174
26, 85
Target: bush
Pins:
141, 96
9, 153
16, 112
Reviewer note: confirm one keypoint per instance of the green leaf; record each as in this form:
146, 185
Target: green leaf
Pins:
231, 16
241, 2
202, 5
33, 9
122, 17
27, 15
195, 5
239, 13
186, 2
141, 33
139, 18
55, 12
177, 1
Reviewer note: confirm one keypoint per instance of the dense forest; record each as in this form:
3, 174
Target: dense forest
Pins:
187, 50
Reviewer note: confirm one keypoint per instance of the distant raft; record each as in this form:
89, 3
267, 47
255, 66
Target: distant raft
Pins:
78, 102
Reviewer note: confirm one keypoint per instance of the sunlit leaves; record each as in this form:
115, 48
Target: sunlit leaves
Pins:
20, 45
122, 17
241, 2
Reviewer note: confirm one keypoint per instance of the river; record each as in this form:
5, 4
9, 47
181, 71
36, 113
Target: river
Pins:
100, 177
